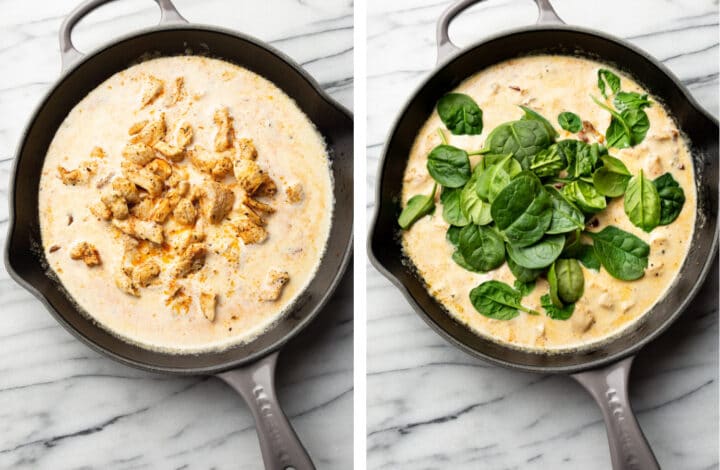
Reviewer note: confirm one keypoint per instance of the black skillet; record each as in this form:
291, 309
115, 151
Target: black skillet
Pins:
603, 371
248, 368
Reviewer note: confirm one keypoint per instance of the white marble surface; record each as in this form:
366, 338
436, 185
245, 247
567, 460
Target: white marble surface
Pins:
432, 406
64, 406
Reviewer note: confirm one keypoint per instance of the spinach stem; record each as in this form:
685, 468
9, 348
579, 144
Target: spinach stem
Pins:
479, 152
442, 136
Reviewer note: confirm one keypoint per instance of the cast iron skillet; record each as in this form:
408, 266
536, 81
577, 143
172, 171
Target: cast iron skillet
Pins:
603, 371
248, 368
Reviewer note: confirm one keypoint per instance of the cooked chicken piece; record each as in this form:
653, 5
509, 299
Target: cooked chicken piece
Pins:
185, 212
143, 274
101, 211
152, 89
87, 253
80, 175
98, 152
605, 300
273, 285
247, 212
588, 133
582, 320
256, 205
268, 188
161, 211
246, 149
249, 231
181, 241
172, 152
152, 132
654, 167
125, 283
192, 260
184, 135
138, 154
294, 193
223, 121
137, 127
179, 176
249, 175
140, 229
116, 204
216, 200
127, 189
178, 92
160, 168
217, 165
150, 178
144, 209
207, 305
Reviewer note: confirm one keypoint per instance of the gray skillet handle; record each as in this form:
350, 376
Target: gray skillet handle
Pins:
70, 55
281, 449
445, 47
629, 450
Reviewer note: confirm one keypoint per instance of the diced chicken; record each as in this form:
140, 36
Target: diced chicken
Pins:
179, 177
582, 320
588, 133
161, 211
137, 127
248, 213
268, 188
249, 231
116, 204
138, 154
246, 149
101, 211
98, 152
223, 137
185, 212
127, 189
151, 133
294, 193
178, 92
654, 167
249, 175
605, 300
144, 209
192, 260
143, 274
172, 152
125, 283
151, 90
627, 305
273, 285
151, 177
140, 229
184, 135
216, 165
80, 175
207, 305
256, 205
216, 201
87, 253
181, 241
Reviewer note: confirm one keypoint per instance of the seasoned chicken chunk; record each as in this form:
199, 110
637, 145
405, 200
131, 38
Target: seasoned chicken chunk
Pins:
246, 149
98, 152
116, 204
140, 229
172, 152
127, 189
152, 88
125, 283
87, 253
294, 193
216, 165
101, 211
177, 92
183, 135
192, 260
137, 127
223, 121
151, 133
207, 305
216, 200
249, 175
144, 273
80, 175
256, 205
249, 231
161, 211
185, 212
138, 154
273, 285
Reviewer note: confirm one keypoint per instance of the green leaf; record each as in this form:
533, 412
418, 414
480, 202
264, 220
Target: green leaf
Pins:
571, 122
622, 254
495, 299
522, 210
524, 288
584, 196
452, 213
548, 162
475, 209
629, 99
607, 77
553, 284
449, 166
481, 247
453, 235
642, 203
554, 312
460, 114
532, 115
522, 139
627, 128
523, 274
539, 255
565, 217
582, 252
612, 178
418, 206
570, 280
672, 198
460, 260
496, 176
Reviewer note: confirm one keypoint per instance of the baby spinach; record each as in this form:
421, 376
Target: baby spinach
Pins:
571, 122
475, 209
524, 288
522, 210
569, 278
417, 207
497, 300
453, 215
553, 285
523, 274
449, 166
627, 128
539, 255
584, 196
622, 254
607, 77
629, 99
460, 114
672, 198
522, 139
612, 178
582, 252
453, 235
565, 216
548, 162
481, 247
555, 312
585, 160
642, 203
532, 115
496, 177
460, 261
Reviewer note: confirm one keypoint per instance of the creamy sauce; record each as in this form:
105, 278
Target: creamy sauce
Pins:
289, 149
551, 85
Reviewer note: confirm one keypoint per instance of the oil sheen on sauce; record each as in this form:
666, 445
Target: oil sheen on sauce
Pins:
551, 85
289, 148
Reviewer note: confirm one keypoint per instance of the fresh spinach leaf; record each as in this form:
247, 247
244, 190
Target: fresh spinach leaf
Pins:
584, 196
570, 280
522, 139
475, 209
522, 210
607, 77
460, 260
627, 128
565, 216
496, 177
460, 114
642, 203
571, 122
449, 166
453, 235
539, 255
612, 178
582, 252
481, 247
672, 198
524, 288
548, 162
532, 115
622, 254
452, 213
497, 300
586, 158
553, 284
555, 312
523, 274
629, 99
417, 207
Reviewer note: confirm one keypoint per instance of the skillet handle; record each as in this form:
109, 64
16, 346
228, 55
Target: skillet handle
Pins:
445, 47
281, 449
629, 450
69, 55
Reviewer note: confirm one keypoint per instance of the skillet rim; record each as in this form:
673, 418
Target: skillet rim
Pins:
570, 369
216, 368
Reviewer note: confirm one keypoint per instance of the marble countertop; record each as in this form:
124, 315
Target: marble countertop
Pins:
65, 406
431, 405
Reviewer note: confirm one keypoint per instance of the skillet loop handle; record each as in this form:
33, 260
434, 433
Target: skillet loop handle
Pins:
445, 47
69, 55
281, 449
629, 450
